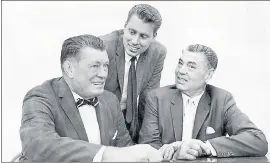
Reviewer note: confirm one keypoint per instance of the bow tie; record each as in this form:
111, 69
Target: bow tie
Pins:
92, 101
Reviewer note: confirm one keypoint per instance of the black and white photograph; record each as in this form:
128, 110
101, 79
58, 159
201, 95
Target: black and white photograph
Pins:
135, 81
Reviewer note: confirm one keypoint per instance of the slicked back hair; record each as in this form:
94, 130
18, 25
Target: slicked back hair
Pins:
72, 46
147, 14
210, 55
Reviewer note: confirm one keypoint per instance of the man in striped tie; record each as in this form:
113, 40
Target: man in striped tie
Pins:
136, 63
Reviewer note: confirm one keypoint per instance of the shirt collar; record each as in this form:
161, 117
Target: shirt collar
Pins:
195, 99
76, 96
128, 57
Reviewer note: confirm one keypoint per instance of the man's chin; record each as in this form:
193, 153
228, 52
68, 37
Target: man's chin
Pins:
180, 87
96, 92
132, 54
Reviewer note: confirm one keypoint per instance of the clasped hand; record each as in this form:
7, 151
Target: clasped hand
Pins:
187, 150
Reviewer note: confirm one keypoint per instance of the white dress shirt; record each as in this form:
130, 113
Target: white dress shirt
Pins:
123, 101
189, 112
89, 119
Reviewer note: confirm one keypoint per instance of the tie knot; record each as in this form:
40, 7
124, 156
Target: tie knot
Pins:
133, 59
92, 101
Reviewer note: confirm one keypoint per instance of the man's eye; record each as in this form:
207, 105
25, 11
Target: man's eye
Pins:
191, 66
132, 32
94, 66
144, 36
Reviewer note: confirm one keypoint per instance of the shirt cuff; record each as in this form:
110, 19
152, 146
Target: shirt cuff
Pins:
213, 151
98, 156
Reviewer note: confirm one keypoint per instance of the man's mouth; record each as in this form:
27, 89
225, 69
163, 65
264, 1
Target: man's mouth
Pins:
98, 83
182, 80
133, 48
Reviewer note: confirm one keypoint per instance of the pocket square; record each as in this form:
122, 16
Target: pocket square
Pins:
115, 134
210, 130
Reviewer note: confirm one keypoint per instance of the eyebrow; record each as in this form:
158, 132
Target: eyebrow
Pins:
139, 32
98, 62
189, 62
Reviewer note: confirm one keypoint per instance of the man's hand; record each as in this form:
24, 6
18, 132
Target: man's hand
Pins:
135, 153
191, 149
167, 150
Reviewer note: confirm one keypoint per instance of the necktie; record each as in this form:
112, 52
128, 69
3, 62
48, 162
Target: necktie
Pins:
92, 101
132, 110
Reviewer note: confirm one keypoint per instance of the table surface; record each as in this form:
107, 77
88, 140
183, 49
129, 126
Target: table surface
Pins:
228, 159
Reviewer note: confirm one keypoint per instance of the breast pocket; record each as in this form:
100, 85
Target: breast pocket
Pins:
211, 136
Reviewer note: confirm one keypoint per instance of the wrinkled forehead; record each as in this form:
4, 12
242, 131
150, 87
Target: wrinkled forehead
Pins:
141, 26
93, 55
195, 57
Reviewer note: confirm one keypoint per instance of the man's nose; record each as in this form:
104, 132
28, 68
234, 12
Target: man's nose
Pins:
103, 72
135, 39
182, 70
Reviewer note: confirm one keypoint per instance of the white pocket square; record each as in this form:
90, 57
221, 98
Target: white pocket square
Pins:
115, 134
210, 130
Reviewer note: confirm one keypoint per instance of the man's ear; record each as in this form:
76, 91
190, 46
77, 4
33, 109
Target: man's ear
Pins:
209, 74
155, 35
68, 68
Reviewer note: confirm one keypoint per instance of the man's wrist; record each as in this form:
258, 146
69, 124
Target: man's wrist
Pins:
212, 149
110, 153
176, 145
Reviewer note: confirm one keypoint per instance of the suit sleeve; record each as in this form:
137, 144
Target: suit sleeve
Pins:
123, 138
154, 82
41, 142
245, 139
150, 133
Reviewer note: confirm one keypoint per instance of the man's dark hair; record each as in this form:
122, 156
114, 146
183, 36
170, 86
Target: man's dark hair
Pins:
72, 46
147, 13
210, 55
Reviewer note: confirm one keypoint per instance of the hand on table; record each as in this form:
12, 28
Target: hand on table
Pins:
191, 149
167, 150
135, 153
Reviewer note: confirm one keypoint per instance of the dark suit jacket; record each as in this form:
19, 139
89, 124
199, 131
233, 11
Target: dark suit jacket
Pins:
148, 69
217, 109
52, 129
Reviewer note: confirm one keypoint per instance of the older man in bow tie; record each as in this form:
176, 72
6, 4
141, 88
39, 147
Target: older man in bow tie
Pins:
72, 118
192, 118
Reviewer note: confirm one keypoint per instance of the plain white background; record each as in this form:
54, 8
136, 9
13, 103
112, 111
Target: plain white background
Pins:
33, 33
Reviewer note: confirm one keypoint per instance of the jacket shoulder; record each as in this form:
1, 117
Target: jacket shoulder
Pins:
216, 92
112, 37
157, 49
163, 92
44, 91
157, 44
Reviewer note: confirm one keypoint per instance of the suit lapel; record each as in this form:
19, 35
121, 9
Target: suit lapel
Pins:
141, 68
177, 115
102, 117
120, 61
201, 113
68, 104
